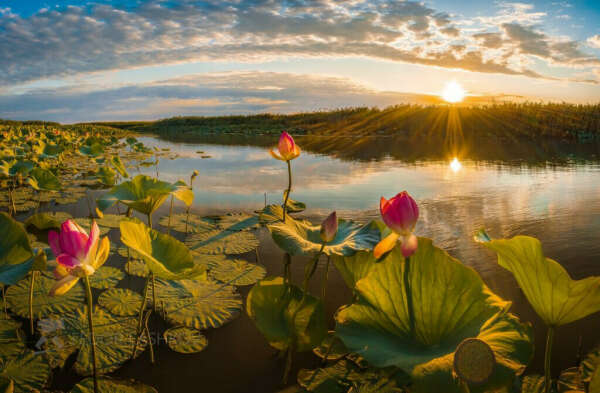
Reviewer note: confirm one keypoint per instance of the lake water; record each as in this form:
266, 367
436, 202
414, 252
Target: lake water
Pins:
557, 203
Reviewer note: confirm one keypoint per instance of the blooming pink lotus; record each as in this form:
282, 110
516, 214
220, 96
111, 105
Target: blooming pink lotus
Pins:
329, 228
400, 214
288, 150
77, 254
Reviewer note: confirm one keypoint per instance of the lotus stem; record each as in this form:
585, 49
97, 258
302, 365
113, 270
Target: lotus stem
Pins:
409, 302
289, 189
325, 280
153, 292
4, 302
170, 213
141, 316
288, 364
287, 261
91, 327
31, 285
548, 359
149, 337
150, 221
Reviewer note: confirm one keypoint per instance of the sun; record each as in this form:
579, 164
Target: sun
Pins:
453, 92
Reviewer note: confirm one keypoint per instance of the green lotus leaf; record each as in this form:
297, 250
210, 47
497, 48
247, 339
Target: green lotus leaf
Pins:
121, 302
110, 220
106, 277
16, 255
270, 214
21, 167
236, 272
165, 256
93, 150
42, 179
354, 267
11, 339
198, 304
302, 238
195, 224
52, 150
109, 385
185, 340
43, 221
450, 303
118, 164
28, 371
128, 253
145, 194
236, 221
222, 242
271, 304
553, 294
17, 297
67, 333
295, 206
107, 176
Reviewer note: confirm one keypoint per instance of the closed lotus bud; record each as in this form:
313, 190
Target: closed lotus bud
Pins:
409, 245
400, 213
288, 150
194, 174
329, 228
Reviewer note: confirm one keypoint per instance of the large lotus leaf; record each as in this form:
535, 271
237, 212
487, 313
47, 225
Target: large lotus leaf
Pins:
236, 272
17, 297
110, 220
450, 303
66, 333
302, 238
165, 256
43, 179
11, 339
271, 304
354, 267
222, 242
106, 277
107, 176
554, 296
195, 224
15, 251
185, 340
108, 385
22, 167
198, 304
121, 302
51, 150
145, 194
118, 164
43, 221
29, 371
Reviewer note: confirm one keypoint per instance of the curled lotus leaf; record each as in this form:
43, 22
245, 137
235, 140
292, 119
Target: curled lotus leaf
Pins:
185, 340
195, 224
553, 294
106, 277
109, 385
29, 371
571, 381
121, 302
450, 302
198, 304
272, 304
222, 242
298, 237
16, 255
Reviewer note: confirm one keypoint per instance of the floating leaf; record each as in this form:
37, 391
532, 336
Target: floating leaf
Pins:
198, 304
121, 302
16, 256
123, 251
137, 267
554, 296
302, 238
43, 221
108, 385
185, 340
237, 272
17, 297
106, 277
28, 371
450, 303
354, 267
11, 339
222, 242
42, 179
272, 304
236, 221
110, 220
196, 224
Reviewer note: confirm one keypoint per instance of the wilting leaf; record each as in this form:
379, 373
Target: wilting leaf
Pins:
118, 164
450, 303
28, 371
354, 267
121, 302
42, 179
198, 304
302, 238
236, 272
554, 296
106, 277
185, 340
108, 385
331, 346
16, 256
165, 256
222, 242
271, 304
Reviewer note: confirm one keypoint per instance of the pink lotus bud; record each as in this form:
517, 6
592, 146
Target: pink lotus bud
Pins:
409, 245
400, 213
288, 150
329, 228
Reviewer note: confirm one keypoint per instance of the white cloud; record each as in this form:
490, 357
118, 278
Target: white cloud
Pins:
594, 41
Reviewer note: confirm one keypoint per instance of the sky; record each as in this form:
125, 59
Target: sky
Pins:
106, 60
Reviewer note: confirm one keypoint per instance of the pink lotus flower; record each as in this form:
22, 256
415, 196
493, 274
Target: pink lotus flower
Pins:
77, 254
329, 228
400, 214
288, 150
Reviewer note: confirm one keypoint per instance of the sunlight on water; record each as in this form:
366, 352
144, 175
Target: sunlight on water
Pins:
455, 165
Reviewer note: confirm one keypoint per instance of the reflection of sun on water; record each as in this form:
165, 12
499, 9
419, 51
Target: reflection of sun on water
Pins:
453, 92
455, 165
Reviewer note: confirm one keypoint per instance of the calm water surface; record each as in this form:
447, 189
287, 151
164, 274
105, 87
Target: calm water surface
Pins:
559, 204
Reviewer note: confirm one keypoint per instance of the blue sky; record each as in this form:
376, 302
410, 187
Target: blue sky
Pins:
123, 60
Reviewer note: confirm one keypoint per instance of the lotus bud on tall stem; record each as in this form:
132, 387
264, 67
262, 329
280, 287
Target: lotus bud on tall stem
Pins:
288, 150
548, 360
187, 210
289, 189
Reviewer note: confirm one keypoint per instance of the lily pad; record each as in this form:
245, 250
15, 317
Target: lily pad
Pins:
185, 340
109, 385
302, 238
17, 297
198, 304
121, 302
11, 339
28, 371
236, 221
106, 277
110, 220
450, 303
137, 268
237, 272
222, 242
196, 224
